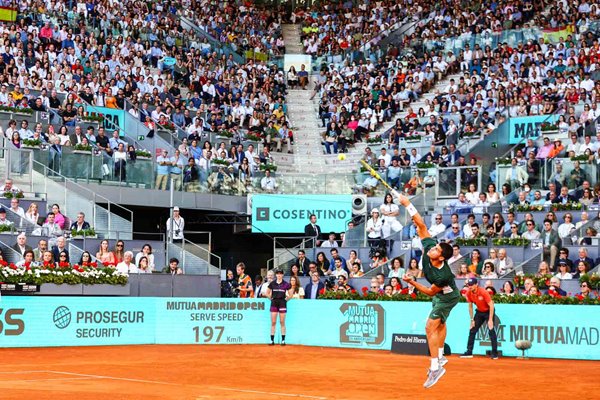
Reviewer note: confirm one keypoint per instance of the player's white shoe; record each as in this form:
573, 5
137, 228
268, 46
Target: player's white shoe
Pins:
433, 377
443, 361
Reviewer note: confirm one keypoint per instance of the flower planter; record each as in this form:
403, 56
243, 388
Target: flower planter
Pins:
61, 290
86, 152
143, 158
30, 147
106, 290
550, 132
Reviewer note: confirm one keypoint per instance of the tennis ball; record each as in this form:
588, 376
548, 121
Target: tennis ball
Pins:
341, 156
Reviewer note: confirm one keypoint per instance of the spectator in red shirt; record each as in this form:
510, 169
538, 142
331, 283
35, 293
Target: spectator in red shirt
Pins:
485, 312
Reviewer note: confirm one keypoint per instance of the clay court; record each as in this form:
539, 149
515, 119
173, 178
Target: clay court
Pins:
264, 372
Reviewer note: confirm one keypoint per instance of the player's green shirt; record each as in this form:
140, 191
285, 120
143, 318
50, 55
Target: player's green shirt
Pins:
440, 277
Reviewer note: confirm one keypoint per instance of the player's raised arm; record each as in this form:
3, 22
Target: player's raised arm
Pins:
422, 230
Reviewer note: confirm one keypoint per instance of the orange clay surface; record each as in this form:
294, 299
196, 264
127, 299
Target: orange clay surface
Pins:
291, 372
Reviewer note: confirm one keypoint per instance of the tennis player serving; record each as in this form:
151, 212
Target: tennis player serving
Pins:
443, 290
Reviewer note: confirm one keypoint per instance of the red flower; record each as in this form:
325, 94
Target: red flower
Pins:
353, 291
365, 289
13, 266
413, 295
64, 264
322, 291
547, 282
3, 263
94, 265
579, 297
404, 291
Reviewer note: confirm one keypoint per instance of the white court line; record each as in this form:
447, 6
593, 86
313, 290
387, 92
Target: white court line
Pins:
43, 380
87, 376
113, 378
273, 393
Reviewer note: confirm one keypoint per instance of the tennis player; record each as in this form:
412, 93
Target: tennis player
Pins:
443, 290
278, 292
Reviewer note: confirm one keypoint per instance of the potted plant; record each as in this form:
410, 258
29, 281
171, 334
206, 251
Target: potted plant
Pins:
91, 232
82, 149
225, 134
31, 143
413, 138
268, 167
503, 161
517, 242
376, 139
474, 242
218, 161
143, 154
18, 110
425, 165
251, 137
548, 128
92, 118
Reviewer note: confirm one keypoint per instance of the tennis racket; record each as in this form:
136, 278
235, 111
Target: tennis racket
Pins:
375, 175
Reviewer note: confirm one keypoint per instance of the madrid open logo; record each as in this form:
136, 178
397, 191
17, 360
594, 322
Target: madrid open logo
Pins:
364, 324
61, 317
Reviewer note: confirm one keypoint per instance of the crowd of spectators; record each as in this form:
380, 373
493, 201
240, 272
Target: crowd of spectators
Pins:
138, 57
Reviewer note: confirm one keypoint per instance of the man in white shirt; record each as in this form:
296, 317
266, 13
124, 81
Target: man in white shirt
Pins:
177, 226
14, 206
268, 183
127, 266
385, 157
505, 264
331, 242
251, 156
437, 226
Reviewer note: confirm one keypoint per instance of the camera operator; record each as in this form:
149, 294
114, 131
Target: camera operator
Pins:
177, 224
230, 286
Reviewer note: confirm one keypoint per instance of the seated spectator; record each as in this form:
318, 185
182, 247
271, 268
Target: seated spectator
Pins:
104, 255
32, 215
586, 291
315, 287
59, 219
80, 224
28, 259
14, 207
10, 188
268, 183
51, 229
505, 264
554, 287
119, 251
21, 246
396, 269
508, 289
127, 266
531, 233
330, 242
85, 259
355, 271
564, 272
3, 220
60, 248
173, 268
488, 271
543, 269
40, 249
146, 252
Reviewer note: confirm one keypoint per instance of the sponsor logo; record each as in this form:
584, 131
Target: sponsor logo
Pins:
540, 334
61, 317
10, 323
263, 214
95, 324
364, 324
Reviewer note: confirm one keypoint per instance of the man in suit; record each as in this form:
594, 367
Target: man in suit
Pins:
61, 245
314, 288
302, 262
39, 251
551, 242
81, 224
77, 137
564, 197
454, 154
583, 256
313, 230
21, 246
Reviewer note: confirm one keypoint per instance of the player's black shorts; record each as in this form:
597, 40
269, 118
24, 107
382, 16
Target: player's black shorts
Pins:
279, 306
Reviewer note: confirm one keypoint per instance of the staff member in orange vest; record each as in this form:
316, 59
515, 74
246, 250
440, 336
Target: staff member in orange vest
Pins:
484, 313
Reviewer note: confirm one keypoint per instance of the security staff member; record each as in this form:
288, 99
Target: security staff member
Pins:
484, 313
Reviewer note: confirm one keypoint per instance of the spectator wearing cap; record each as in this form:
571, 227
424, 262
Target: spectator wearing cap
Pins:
374, 225
484, 314
3, 220
175, 225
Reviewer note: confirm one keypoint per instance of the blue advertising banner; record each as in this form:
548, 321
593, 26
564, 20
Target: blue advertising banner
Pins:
113, 118
555, 331
73, 321
212, 321
525, 127
280, 213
